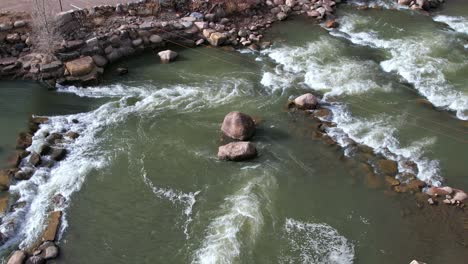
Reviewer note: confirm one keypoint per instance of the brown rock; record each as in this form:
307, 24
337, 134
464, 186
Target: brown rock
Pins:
4, 201
400, 188
237, 151
404, 2
441, 191
238, 126
51, 230
388, 167
15, 160
58, 154
217, 39
80, 67
72, 135
331, 24
416, 185
322, 113
392, 181
24, 140
306, 101
4, 180
17, 257
36, 260
35, 159
54, 138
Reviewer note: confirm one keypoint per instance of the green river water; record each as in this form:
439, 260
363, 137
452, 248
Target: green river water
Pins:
143, 184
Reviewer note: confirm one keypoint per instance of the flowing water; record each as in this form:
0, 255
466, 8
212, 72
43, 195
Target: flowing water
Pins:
143, 185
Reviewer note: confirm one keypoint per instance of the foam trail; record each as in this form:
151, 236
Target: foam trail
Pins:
315, 243
241, 211
25, 224
412, 58
187, 200
457, 23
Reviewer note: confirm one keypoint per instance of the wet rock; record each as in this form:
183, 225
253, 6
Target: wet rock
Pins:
439, 191
35, 122
306, 101
237, 125
72, 135
392, 181
331, 24
122, 71
80, 67
322, 113
431, 201
35, 260
58, 154
59, 200
35, 159
15, 159
51, 230
17, 257
44, 149
388, 167
415, 185
281, 16
237, 151
49, 250
460, 196
100, 61
167, 56
24, 174
54, 138
406, 3
4, 180
24, 140
4, 201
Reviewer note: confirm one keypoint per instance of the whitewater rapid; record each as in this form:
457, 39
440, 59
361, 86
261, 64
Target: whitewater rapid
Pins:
85, 154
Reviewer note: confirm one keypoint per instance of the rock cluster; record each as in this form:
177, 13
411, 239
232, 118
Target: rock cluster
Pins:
421, 4
23, 166
107, 34
238, 126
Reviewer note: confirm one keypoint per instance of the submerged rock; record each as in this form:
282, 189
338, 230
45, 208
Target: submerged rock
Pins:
237, 125
388, 167
122, 71
24, 140
306, 101
4, 180
35, 260
17, 257
237, 151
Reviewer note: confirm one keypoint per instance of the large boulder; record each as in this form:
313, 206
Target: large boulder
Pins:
17, 257
238, 126
306, 101
167, 56
51, 230
81, 66
237, 151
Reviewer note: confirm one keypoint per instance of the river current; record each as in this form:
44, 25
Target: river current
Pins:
143, 185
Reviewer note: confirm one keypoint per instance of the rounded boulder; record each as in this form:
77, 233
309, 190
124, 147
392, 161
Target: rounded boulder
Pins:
239, 126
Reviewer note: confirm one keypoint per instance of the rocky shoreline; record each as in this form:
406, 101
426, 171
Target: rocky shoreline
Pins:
92, 39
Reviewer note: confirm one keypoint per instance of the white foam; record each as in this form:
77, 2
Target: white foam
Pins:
413, 59
316, 243
241, 211
26, 224
322, 67
187, 200
378, 133
457, 23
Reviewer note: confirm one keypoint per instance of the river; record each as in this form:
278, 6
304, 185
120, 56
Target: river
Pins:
143, 184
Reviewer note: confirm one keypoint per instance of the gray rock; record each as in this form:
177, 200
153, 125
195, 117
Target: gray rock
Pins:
6, 26
66, 56
167, 56
17, 257
156, 39
58, 154
237, 125
51, 252
24, 174
122, 71
237, 151
19, 23
92, 42
35, 159
100, 61
137, 42
281, 16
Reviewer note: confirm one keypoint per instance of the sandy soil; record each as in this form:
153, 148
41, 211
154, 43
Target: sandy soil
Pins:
25, 5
